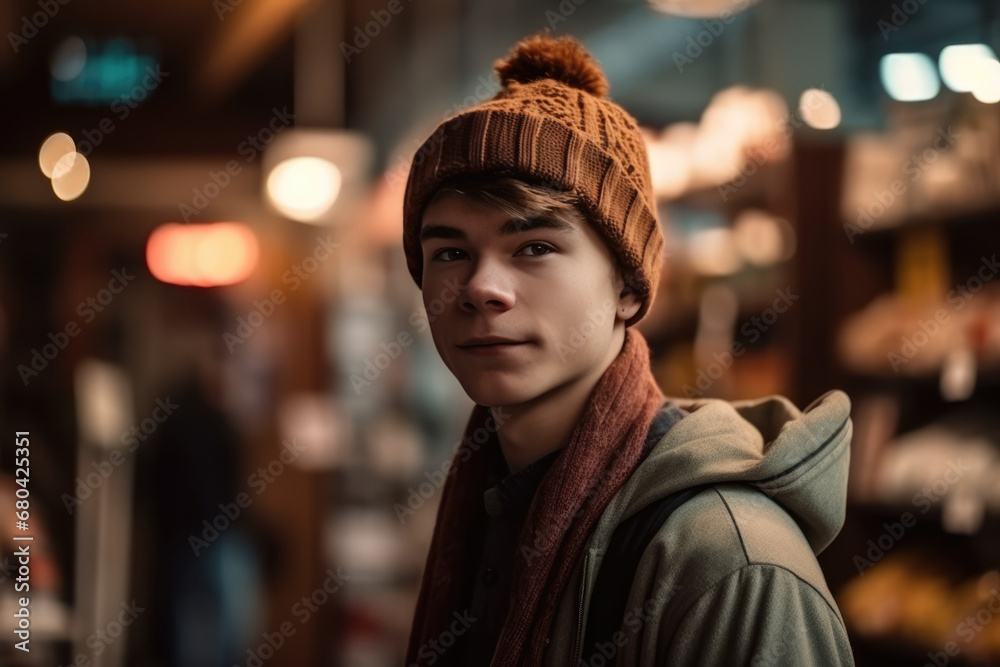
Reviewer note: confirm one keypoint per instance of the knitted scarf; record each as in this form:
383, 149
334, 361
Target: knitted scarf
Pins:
605, 447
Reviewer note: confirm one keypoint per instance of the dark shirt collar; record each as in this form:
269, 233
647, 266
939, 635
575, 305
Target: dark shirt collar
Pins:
511, 493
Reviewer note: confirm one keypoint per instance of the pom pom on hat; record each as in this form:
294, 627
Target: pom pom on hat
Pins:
543, 56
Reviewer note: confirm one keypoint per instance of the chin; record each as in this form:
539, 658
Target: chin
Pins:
490, 392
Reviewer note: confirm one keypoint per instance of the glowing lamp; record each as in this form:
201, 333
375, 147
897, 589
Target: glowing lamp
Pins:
202, 255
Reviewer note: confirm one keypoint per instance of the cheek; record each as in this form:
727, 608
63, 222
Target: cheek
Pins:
577, 291
434, 308
576, 322
435, 293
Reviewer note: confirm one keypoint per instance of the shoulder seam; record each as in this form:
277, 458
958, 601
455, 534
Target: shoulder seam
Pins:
749, 562
683, 614
736, 526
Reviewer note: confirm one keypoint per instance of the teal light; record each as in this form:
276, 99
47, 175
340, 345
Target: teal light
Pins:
112, 73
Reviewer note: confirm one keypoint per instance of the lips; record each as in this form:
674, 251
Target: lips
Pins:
495, 350
493, 347
489, 341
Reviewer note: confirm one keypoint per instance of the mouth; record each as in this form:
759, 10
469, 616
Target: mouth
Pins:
483, 341
493, 348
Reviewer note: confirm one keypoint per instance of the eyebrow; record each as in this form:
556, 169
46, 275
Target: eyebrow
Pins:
509, 228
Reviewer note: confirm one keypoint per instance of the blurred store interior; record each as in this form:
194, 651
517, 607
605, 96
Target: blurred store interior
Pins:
235, 407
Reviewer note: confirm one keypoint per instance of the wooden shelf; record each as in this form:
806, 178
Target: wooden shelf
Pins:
948, 219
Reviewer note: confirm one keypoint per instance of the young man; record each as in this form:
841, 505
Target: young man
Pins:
530, 226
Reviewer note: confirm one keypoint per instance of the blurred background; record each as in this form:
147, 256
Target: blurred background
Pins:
236, 418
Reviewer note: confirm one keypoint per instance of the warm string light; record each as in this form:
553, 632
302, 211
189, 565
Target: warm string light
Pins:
69, 170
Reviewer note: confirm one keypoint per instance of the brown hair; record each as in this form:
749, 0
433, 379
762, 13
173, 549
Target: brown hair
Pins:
522, 200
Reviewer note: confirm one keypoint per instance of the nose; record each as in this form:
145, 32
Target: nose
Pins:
488, 287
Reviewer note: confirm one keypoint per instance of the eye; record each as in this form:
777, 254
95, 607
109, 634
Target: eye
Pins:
544, 246
444, 251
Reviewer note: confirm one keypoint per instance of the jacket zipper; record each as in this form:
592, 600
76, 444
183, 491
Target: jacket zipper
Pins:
577, 648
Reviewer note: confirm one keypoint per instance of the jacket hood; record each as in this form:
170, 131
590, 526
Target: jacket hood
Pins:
799, 458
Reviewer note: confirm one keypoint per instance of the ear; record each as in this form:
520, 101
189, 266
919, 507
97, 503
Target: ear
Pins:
628, 305
628, 301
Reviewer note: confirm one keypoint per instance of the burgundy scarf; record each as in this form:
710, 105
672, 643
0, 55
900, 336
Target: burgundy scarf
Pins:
605, 447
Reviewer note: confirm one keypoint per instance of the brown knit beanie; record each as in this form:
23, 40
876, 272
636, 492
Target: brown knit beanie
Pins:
551, 124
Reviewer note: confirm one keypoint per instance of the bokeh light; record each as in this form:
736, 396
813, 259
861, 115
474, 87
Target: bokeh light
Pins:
202, 255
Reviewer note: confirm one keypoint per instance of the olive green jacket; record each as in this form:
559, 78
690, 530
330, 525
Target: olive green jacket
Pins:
731, 578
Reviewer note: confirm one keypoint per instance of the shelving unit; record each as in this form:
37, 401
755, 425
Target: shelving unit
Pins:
911, 601
678, 328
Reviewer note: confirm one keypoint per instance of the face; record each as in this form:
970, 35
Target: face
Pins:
552, 290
